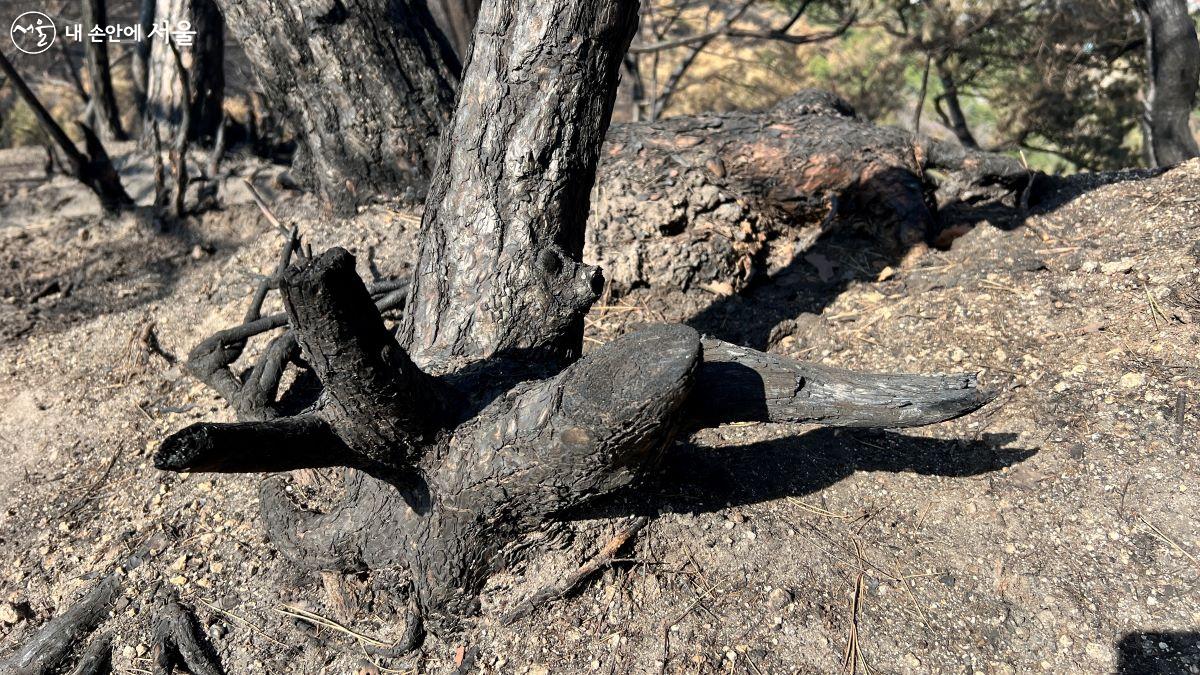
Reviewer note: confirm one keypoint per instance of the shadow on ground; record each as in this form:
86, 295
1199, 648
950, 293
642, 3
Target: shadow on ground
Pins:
857, 252
1152, 653
697, 479
91, 280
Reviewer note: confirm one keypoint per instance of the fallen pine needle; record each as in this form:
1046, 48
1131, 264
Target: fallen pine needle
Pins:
318, 620
1170, 542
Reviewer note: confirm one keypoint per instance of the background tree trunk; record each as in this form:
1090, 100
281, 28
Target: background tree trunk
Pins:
140, 70
953, 115
365, 85
456, 19
1173, 61
94, 169
106, 115
205, 62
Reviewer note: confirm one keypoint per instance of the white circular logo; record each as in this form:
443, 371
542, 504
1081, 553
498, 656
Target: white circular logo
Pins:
33, 32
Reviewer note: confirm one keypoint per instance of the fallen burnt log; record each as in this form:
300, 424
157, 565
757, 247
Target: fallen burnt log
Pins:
691, 200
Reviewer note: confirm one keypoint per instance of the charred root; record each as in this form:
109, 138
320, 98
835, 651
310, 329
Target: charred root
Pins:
539, 449
53, 644
737, 384
178, 640
253, 392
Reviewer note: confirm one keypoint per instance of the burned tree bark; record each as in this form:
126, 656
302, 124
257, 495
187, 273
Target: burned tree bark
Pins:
342, 75
1173, 64
103, 103
203, 66
479, 420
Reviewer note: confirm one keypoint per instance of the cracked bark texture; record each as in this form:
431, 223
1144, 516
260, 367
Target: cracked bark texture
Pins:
498, 270
366, 121
204, 61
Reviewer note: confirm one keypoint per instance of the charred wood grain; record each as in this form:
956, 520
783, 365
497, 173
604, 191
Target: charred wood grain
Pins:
738, 384
54, 642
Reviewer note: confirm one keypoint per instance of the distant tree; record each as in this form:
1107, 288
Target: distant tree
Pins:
456, 19
1172, 77
204, 63
93, 167
103, 102
1053, 77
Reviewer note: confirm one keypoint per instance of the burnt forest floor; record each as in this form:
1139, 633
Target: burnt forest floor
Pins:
1056, 530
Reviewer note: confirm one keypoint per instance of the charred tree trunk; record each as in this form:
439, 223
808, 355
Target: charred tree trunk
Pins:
1173, 62
342, 75
105, 114
479, 421
204, 66
141, 56
94, 169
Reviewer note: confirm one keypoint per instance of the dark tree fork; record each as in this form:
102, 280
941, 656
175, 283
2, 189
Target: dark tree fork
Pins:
479, 420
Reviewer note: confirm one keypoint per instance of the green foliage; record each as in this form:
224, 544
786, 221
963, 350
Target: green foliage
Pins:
1060, 79
19, 126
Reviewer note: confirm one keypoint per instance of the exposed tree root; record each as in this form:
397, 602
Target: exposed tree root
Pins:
177, 638
51, 646
410, 641
537, 449
480, 420
96, 658
252, 393
178, 641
